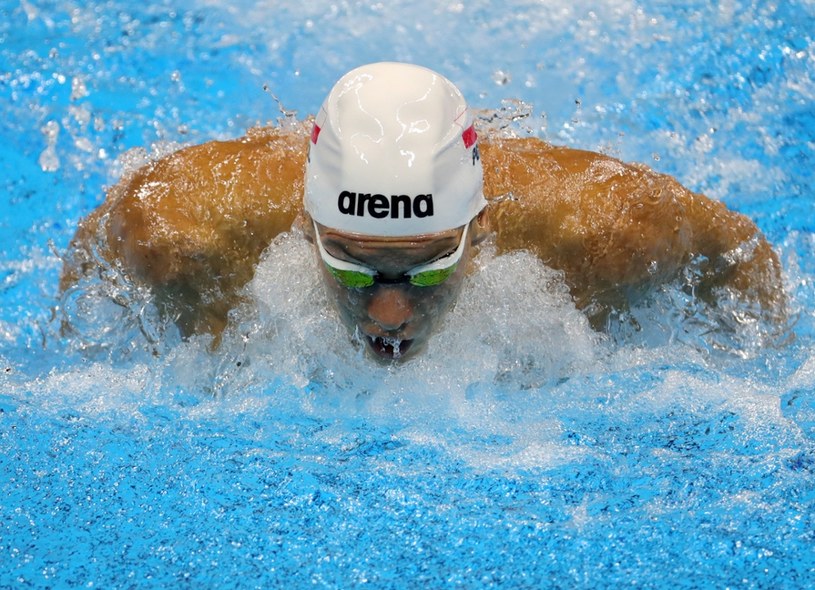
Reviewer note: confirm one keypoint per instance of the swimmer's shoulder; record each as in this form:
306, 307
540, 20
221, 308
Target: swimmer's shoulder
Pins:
261, 170
202, 204
593, 217
529, 161
253, 183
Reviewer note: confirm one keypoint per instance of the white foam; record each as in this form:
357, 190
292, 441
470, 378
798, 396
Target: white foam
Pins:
288, 348
509, 364
523, 331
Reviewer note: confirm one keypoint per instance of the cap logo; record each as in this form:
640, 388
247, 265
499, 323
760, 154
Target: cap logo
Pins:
315, 133
380, 206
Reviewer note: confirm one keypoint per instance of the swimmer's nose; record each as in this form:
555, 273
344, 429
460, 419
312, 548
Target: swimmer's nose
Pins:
390, 308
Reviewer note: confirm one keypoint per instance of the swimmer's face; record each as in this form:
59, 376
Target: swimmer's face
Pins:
394, 317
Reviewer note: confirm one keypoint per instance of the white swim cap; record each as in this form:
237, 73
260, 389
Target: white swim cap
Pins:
393, 152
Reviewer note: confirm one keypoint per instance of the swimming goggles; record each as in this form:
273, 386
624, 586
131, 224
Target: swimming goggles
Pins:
358, 276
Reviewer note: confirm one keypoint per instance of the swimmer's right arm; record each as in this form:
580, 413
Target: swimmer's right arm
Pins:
192, 225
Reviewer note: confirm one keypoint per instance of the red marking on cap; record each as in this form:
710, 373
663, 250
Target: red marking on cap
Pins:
315, 133
469, 136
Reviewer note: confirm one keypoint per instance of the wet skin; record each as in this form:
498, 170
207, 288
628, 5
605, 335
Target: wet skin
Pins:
395, 319
192, 226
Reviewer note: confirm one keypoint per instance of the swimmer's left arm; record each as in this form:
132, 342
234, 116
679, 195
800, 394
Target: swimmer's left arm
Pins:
738, 256
617, 229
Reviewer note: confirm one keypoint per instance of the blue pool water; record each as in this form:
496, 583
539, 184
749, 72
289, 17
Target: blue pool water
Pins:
523, 450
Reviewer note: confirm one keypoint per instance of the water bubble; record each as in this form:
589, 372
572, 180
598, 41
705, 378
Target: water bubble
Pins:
31, 11
501, 78
78, 88
49, 161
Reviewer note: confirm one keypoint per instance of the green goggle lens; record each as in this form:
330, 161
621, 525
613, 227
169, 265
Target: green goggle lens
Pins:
353, 279
431, 278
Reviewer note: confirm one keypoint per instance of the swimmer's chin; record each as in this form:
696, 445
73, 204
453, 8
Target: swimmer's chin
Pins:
390, 350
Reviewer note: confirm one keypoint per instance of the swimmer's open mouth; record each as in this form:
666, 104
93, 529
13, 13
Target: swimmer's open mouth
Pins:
388, 348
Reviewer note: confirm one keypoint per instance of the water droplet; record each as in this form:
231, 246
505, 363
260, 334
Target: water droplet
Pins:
78, 88
501, 78
48, 160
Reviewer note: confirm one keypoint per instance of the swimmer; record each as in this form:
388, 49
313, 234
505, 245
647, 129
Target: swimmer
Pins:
395, 189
